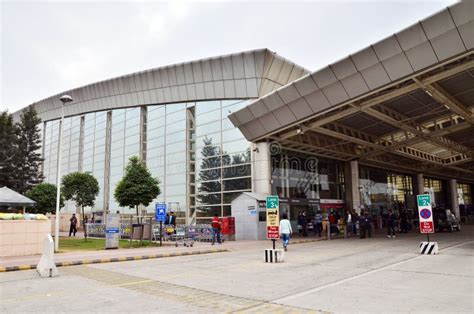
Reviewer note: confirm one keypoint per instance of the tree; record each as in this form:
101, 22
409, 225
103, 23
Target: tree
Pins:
8, 150
28, 158
137, 185
82, 188
44, 194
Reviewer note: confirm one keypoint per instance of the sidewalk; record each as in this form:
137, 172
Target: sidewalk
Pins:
107, 256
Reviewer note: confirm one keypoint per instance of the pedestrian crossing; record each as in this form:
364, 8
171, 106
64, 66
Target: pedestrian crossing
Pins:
195, 298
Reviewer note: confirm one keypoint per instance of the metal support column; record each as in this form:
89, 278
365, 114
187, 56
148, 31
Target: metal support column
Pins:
108, 141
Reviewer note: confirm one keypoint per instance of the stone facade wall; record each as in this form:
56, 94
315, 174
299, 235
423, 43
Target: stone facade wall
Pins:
22, 237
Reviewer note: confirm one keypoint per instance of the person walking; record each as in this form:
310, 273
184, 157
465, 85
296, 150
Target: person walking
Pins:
355, 219
304, 224
73, 225
285, 231
390, 224
216, 229
368, 223
318, 221
362, 225
349, 222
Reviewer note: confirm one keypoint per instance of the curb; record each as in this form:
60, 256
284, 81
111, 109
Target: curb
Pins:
113, 260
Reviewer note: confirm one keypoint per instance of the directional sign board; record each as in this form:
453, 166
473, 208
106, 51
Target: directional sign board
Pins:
426, 213
273, 217
112, 231
160, 212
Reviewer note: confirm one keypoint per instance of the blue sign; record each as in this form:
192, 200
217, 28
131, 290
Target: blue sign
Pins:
112, 230
160, 212
425, 213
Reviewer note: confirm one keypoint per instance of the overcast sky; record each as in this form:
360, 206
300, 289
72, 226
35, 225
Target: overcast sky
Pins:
48, 47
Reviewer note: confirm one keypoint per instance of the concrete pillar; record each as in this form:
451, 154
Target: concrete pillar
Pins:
261, 168
352, 185
453, 192
108, 143
420, 184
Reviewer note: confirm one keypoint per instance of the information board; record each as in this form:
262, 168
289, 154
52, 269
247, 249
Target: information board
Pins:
112, 231
426, 213
273, 217
160, 212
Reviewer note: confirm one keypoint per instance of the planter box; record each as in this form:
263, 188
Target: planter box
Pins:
22, 237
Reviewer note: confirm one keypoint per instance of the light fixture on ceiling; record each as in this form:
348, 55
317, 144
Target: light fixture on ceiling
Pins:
428, 92
299, 130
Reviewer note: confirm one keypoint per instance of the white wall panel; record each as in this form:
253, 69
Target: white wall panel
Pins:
206, 70
238, 66
197, 72
180, 76
448, 44
343, 68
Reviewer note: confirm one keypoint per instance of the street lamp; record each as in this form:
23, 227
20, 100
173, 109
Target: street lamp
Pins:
64, 99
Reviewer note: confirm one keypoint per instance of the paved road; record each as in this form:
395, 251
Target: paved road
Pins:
370, 275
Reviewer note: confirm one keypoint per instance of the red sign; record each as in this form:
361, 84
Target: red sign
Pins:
426, 227
273, 232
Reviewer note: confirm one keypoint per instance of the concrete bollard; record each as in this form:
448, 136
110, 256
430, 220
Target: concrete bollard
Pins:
274, 255
429, 248
46, 266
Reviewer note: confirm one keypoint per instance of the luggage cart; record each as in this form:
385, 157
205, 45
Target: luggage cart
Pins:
181, 237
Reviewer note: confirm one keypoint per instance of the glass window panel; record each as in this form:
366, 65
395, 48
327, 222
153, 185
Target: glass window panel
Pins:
206, 163
204, 129
209, 199
153, 141
235, 159
226, 124
232, 135
175, 127
237, 184
208, 117
175, 117
175, 107
176, 137
176, 179
208, 211
174, 189
237, 171
210, 140
208, 187
203, 107
235, 146
176, 158
175, 168
173, 148
157, 131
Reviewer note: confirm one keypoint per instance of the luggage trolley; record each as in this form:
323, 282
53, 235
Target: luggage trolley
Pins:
182, 237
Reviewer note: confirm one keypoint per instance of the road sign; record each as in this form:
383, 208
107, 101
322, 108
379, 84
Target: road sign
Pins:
160, 212
273, 218
426, 213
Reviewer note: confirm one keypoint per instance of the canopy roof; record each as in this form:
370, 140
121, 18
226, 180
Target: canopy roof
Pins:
406, 102
11, 198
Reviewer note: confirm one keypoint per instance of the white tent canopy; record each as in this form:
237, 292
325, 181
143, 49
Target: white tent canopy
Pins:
11, 198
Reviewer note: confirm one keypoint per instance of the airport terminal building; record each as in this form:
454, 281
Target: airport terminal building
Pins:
371, 130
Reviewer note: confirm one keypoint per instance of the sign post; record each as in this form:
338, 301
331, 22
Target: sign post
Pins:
426, 214
112, 231
273, 219
160, 215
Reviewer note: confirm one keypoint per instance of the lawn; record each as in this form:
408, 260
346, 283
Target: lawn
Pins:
79, 244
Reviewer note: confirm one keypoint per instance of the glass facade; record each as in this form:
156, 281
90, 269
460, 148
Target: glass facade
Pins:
200, 159
302, 181
437, 189
381, 190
